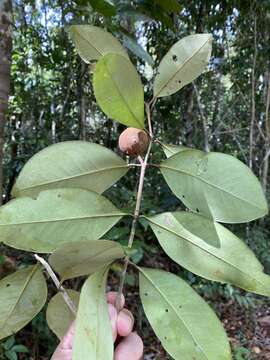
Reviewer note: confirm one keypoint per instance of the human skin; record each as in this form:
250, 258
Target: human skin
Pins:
130, 346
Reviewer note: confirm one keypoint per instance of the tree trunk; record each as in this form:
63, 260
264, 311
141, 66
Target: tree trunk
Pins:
5, 63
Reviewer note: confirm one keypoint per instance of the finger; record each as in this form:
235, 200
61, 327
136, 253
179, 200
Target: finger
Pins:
67, 341
125, 322
130, 348
113, 317
64, 349
62, 354
111, 297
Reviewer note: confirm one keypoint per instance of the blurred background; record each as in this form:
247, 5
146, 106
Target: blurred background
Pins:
225, 110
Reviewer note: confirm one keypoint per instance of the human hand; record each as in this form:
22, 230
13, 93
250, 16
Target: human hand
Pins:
130, 346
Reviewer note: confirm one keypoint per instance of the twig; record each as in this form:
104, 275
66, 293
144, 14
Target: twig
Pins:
58, 285
136, 213
148, 113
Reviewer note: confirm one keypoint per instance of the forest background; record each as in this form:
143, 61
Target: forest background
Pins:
227, 109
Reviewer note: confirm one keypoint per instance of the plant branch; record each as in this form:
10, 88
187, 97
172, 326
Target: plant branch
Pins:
136, 211
58, 285
148, 114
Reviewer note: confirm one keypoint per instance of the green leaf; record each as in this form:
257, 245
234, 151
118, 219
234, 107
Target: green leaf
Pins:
22, 296
137, 49
216, 185
187, 238
55, 217
93, 42
20, 349
11, 355
184, 62
170, 150
78, 164
84, 258
185, 324
58, 315
103, 7
9, 343
93, 335
119, 91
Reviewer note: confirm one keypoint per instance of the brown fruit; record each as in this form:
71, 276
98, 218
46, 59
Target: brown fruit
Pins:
133, 142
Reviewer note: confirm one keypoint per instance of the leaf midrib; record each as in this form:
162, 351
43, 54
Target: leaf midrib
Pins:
172, 306
65, 219
203, 249
89, 42
182, 66
122, 97
210, 184
91, 172
27, 281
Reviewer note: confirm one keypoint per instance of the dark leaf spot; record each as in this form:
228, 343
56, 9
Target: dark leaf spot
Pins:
167, 310
8, 285
146, 294
174, 58
197, 210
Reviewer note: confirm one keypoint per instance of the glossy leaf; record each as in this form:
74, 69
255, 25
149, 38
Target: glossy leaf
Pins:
55, 217
93, 42
185, 324
78, 164
58, 315
184, 62
93, 335
170, 150
119, 91
216, 185
22, 296
187, 239
84, 258
137, 49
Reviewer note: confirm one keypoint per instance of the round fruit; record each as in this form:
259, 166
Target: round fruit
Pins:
133, 142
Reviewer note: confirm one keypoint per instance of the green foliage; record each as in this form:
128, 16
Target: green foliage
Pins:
84, 258
118, 90
9, 349
59, 317
241, 353
22, 295
93, 42
170, 150
58, 207
93, 336
137, 49
210, 250
70, 164
216, 185
103, 7
184, 62
179, 318
55, 217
